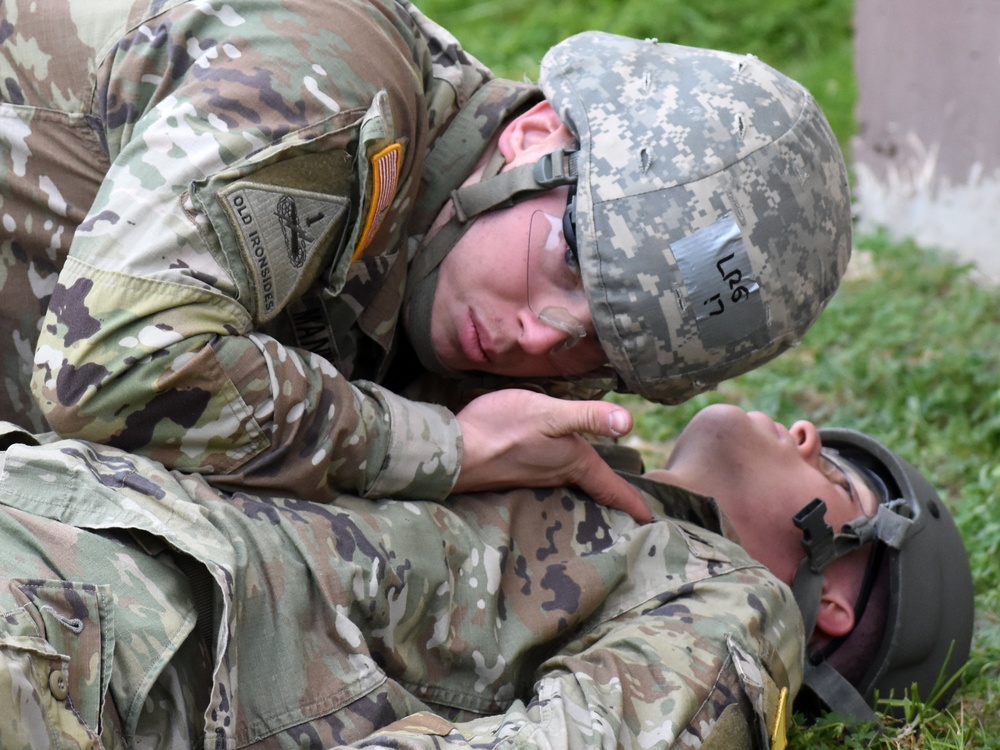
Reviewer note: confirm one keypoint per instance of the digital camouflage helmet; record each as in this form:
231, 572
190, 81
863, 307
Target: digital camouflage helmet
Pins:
713, 215
929, 607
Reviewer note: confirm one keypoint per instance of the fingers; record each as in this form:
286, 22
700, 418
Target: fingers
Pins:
607, 488
593, 417
619, 422
520, 438
631, 503
562, 416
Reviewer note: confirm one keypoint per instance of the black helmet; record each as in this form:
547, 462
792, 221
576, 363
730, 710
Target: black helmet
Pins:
930, 608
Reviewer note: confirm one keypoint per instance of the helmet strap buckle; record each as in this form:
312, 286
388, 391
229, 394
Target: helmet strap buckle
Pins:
817, 535
503, 189
556, 168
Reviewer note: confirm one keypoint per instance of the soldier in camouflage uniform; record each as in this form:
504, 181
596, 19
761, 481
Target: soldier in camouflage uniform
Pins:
232, 240
143, 608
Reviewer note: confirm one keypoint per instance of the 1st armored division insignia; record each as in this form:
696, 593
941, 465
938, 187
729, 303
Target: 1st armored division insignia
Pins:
284, 235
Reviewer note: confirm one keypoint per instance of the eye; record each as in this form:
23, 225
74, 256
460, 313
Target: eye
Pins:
838, 476
832, 470
844, 483
567, 276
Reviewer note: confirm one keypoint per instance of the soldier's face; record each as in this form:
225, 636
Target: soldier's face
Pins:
491, 289
761, 474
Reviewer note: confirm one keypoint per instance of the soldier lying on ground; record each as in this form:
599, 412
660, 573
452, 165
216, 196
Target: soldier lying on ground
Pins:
146, 608
232, 240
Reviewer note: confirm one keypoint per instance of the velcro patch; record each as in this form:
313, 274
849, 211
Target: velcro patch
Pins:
385, 179
284, 234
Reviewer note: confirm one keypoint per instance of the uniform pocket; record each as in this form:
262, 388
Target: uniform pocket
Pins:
55, 658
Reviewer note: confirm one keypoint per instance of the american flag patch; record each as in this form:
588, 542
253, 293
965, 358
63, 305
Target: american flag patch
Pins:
385, 176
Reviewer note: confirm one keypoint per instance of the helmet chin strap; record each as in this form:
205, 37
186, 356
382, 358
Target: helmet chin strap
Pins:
494, 190
823, 547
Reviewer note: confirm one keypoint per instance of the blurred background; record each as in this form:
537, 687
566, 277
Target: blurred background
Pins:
909, 349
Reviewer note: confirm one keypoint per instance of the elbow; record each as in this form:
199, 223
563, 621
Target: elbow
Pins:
182, 411
64, 390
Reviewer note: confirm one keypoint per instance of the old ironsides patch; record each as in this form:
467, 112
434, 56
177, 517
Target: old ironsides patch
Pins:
283, 234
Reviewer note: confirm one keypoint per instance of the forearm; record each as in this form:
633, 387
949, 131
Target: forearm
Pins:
173, 372
329, 436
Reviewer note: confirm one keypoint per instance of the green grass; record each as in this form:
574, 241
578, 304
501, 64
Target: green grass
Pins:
907, 350
809, 40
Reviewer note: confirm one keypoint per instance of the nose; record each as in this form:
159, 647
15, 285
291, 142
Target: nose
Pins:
807, 439
538, 338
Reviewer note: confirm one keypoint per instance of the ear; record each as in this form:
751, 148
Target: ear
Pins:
836, 611
532, 134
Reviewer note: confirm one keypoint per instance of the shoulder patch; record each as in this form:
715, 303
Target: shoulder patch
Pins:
284, 234
385, 179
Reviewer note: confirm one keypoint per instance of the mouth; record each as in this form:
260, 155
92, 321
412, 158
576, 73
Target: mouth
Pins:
474, 343
770, 425
783, 433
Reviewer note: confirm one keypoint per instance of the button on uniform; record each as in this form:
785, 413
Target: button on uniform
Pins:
59, 684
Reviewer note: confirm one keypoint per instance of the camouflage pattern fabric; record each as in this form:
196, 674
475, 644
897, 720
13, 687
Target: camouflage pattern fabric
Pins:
207, 212
143, 608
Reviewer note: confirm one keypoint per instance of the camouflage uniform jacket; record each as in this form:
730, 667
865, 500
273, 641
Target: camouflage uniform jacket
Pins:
239, 187
144, 608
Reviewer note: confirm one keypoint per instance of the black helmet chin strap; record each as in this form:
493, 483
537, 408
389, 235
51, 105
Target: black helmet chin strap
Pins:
823, 547
495, 189
834, 690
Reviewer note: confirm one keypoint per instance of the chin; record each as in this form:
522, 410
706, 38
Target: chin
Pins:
709, 437
717, 415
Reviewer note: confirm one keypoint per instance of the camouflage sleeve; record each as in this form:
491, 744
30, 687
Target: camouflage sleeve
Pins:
152, 342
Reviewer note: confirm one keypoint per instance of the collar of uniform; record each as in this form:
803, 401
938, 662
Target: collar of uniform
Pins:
685, 505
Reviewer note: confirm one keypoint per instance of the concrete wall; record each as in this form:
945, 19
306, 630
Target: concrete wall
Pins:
927, 153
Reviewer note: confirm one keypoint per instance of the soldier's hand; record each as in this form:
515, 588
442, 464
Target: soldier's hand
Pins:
516, 438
